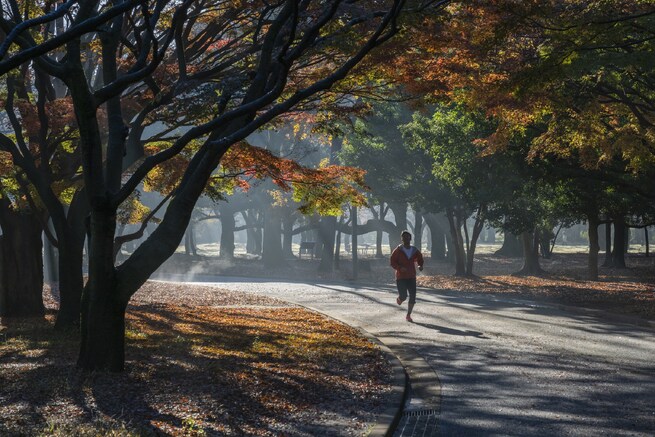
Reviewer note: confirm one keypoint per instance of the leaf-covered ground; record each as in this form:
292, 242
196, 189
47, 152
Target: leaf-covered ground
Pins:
200, 361
628, 291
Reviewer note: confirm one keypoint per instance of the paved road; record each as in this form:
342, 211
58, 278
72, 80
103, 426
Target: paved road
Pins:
505, 367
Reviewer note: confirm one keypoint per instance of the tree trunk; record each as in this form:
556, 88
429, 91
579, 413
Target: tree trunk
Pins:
608, 245
491, 236
465, 226
71, 262
272, 250
477, 230
228, 225
418, 229
21, 270
71, 283
400, 216
646, 241
437, 237
288, 220
458, 242
327, 228
189, 242
379, 233
353, 214
594, 248
102, 327
618, 255
253, 233
531, 265
337, 249
511, 247
546, 241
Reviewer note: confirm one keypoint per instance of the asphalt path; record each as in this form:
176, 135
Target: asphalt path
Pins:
504, 366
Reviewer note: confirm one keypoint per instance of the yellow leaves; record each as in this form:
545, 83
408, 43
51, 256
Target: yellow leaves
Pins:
132, 211
134, 334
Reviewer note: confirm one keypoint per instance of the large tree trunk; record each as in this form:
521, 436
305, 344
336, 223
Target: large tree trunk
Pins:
253, 233
272, 251
400, 216
190, 241
511, 246
618, 254
437, 236
594, 248
71, 262
71, 283
228, 226
531, 265
21, 267
327, 228
455, 222
102, 327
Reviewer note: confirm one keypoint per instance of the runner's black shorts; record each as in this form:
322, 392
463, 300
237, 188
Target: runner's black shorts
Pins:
407, 286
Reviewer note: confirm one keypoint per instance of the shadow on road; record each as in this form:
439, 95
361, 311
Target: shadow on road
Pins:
451, 331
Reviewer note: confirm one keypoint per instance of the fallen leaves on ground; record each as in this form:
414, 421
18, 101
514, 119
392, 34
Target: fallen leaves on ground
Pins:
627, 291
194, 368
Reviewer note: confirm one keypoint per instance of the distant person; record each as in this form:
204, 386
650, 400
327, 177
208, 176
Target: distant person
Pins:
403, 260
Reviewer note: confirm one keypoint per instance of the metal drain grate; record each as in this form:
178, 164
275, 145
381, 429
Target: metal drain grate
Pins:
415, 413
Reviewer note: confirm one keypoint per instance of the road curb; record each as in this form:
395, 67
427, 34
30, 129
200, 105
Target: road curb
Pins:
387, 421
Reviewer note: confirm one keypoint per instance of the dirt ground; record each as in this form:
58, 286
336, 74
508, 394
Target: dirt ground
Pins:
625, 291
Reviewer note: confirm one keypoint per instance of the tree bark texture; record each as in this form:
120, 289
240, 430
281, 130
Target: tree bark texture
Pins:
327, 229
337, 248
475, 235
102, 327
228, 225
437, 235
646, 241
418, 229
455, 223
618, 254
189, 242
288, 219
71, 262
400, 214
512, 246
272, 250
355, 224
531, 265
379, 233
21, 267
608, 245
253, 233
594, 248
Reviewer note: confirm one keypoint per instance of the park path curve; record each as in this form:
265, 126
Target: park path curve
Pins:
496, 366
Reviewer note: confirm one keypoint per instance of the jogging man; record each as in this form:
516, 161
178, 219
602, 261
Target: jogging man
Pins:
403, 260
